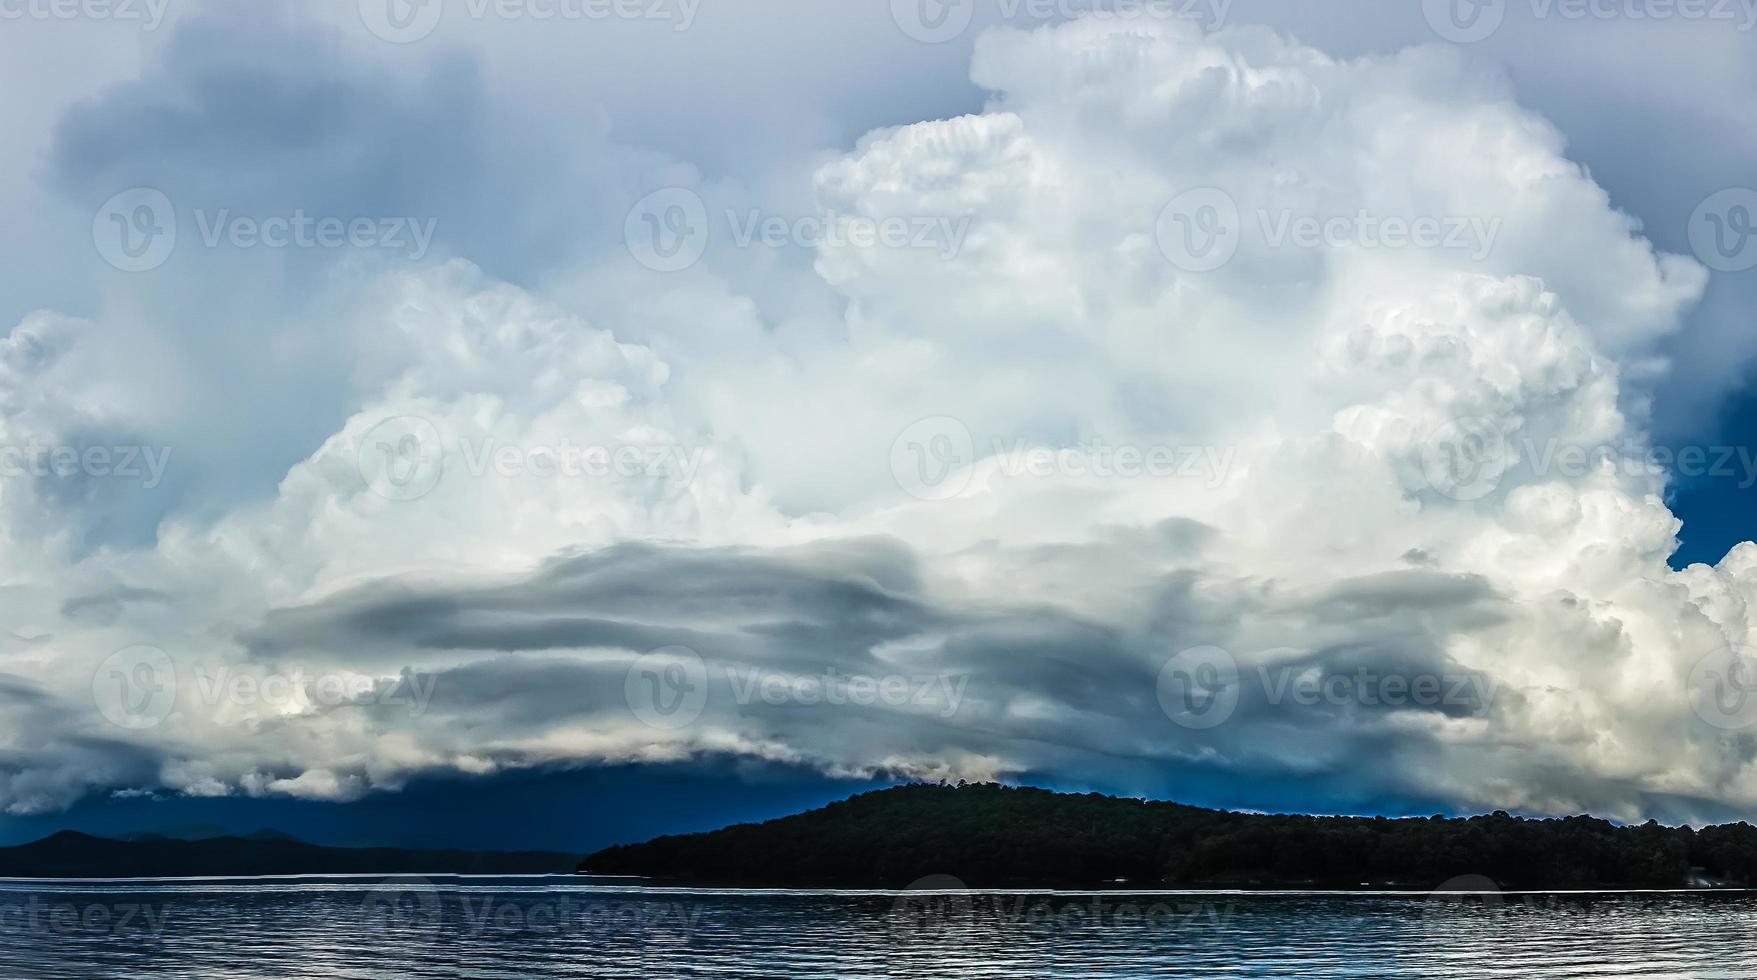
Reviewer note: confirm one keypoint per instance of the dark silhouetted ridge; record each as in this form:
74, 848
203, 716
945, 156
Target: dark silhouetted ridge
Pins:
987, 835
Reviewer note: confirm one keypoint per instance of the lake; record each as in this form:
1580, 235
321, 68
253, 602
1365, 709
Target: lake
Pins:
561, 926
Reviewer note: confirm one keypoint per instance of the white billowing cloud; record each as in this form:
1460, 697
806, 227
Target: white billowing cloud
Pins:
472, 604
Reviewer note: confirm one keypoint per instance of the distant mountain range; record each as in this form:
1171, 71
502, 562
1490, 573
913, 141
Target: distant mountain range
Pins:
203, 832
994, 836
987, 835
70, 854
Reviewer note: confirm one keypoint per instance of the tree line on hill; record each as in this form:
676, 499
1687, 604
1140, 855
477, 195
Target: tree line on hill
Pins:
988, 835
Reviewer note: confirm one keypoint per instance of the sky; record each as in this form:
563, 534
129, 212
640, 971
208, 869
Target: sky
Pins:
586, 420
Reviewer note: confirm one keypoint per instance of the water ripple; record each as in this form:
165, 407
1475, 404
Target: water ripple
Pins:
449, 927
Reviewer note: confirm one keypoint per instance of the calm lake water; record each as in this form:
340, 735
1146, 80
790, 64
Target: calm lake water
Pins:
543, 927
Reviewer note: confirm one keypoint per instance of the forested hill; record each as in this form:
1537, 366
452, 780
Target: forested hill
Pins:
987, 835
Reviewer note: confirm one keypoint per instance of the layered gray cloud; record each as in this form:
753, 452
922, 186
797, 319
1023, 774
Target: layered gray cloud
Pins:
780, 642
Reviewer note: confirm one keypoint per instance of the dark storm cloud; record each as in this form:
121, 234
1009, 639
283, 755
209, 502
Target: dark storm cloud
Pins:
104, 606
55, 754
232, 117
632, 597
1034, 682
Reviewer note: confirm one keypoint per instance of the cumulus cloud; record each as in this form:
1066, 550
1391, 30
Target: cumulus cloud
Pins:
991, 507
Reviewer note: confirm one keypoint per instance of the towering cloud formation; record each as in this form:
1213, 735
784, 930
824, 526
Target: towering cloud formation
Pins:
1205, 411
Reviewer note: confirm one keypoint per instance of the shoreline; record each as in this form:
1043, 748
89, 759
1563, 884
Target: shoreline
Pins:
623, 884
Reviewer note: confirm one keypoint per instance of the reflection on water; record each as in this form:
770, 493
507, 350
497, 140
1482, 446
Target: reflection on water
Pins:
544, 927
